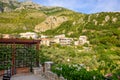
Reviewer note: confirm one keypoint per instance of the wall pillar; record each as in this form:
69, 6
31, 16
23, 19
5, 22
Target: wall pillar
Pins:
48, 66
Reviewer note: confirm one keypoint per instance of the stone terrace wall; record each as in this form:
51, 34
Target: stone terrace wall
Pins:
49, 74
46, 70
52, 76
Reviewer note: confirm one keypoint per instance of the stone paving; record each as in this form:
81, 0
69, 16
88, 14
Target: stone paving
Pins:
27, 76
0, 78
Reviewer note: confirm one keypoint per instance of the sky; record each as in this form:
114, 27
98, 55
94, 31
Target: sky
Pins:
84, 6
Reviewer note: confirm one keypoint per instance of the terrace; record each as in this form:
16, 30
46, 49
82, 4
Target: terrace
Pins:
18, 56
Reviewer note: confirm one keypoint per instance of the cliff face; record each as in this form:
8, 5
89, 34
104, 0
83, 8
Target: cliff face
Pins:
7, 5
12, 5
6, 1
50, 23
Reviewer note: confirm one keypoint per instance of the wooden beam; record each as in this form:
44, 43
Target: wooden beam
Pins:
19, 41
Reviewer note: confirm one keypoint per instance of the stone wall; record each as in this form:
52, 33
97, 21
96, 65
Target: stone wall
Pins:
52, 76
46, 71
49, 74
38, 70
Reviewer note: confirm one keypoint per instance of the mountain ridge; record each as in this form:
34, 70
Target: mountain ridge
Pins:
57, 20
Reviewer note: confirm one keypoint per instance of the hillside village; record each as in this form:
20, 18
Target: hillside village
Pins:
48, 41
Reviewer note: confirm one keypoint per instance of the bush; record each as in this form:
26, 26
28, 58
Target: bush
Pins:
76, 72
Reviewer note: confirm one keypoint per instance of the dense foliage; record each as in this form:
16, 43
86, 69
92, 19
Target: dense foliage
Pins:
5, 57
77, 72
24, 56
101, 28
81, 72
101, 59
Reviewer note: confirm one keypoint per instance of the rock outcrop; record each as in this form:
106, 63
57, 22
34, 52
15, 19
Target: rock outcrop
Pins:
7, 9
50, 23
29, 4
10, 5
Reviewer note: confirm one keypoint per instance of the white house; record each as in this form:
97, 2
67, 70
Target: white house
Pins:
61, 39
29, 35
45, 41
60, 36
56, 40
65, 41
76, 43
6, 36
83, 40
43, 36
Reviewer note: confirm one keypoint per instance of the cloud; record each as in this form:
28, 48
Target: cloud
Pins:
85, 6
63, 3
106, 6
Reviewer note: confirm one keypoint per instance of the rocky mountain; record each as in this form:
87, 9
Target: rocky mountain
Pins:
17, 17
28, 16
50, 23
12, 5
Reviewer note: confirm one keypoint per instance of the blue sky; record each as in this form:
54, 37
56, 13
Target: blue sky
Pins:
84, 6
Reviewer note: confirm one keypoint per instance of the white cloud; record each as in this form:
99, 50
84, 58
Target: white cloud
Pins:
106, 6
86, 6
63, 3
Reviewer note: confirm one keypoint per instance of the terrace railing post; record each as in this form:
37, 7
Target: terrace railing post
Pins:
13, 58
37, 58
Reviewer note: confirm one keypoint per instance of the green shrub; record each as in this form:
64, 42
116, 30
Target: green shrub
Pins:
76, 72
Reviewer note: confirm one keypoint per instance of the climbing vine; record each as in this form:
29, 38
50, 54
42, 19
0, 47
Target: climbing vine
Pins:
5, 56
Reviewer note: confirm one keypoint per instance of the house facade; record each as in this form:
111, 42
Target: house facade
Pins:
44, 36
65, 41
28, 35
83, 40
76, 43
45, 41
60, 36
7, 36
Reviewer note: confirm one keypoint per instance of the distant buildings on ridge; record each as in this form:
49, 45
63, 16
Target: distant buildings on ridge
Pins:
46, 40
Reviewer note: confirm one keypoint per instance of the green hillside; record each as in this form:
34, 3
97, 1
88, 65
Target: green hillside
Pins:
20, 21
23, 18
100, 27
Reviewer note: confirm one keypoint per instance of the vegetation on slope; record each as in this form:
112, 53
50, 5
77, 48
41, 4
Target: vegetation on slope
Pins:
79, 55
97, 59
101, 28
20, 21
